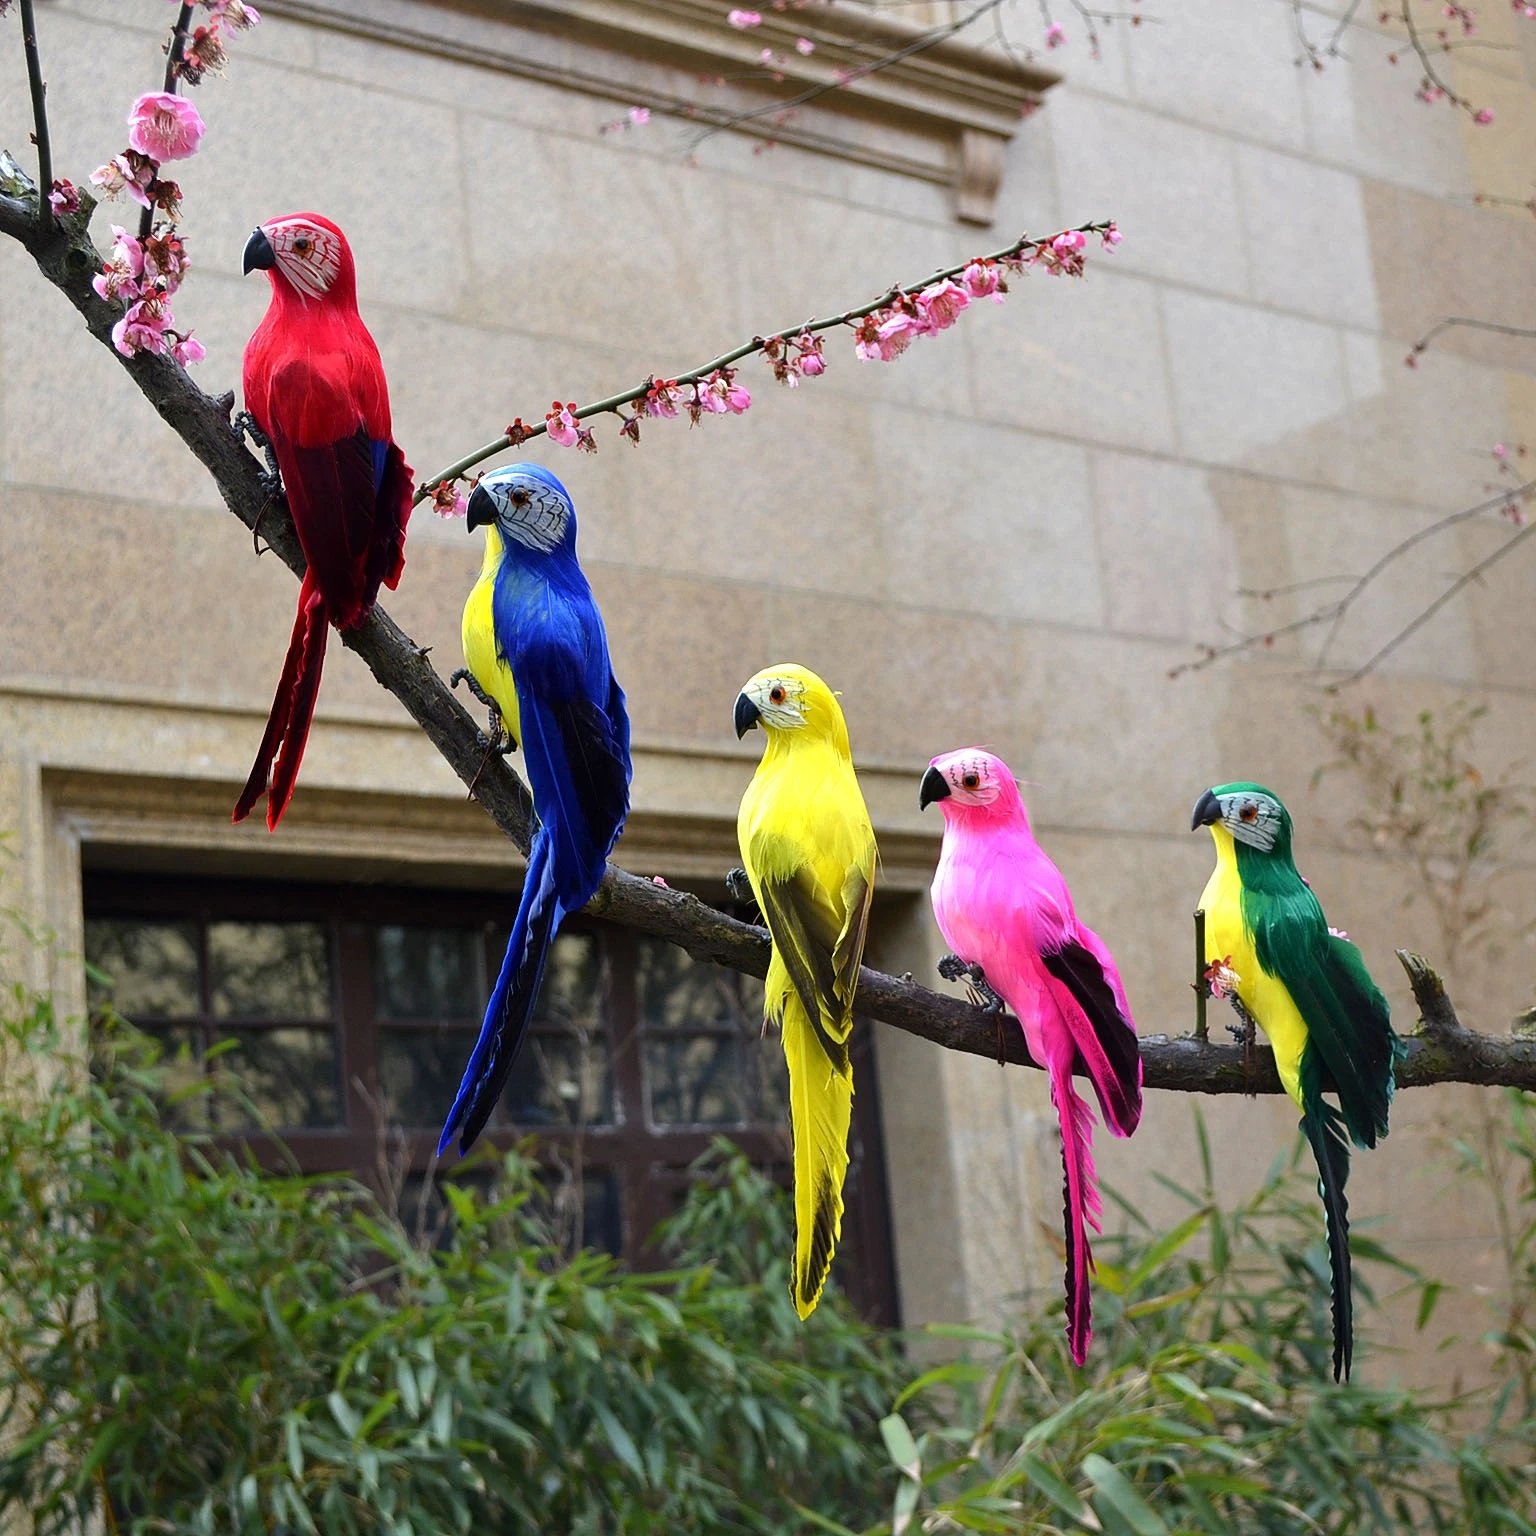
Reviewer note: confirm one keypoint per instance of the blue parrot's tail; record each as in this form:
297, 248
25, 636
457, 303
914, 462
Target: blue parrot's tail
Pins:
511, 1006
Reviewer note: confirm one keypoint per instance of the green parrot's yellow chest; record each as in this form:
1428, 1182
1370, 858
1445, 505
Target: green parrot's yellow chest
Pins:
1227, 939
479, 636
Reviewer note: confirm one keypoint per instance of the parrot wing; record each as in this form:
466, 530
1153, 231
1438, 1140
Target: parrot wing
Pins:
1108, 1048
1349, 1022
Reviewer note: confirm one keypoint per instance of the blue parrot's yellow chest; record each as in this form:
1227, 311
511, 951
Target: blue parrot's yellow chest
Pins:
1227, 939
479, 636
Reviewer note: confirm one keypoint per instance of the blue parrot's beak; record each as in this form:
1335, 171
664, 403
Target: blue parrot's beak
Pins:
481, 511
747, 715
1207, 812
259, 254
934, 787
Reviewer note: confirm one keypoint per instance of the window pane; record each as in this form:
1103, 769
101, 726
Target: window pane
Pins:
153, 967
419, 1072
560, 1080
288, 1074
269, 971
767, 1079
563, 1074
428, 973
591, 1221
676, 991
180, 1069
695, 1081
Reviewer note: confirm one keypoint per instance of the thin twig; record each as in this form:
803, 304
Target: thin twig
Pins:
1453, 322
746, 349
39, 118
174, 50
1334, 613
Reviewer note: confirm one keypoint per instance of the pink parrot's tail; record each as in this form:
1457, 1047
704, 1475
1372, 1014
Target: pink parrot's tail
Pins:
293, 707
1082, 1205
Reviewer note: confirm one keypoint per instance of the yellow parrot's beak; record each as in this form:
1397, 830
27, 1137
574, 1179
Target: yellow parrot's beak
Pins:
747, 715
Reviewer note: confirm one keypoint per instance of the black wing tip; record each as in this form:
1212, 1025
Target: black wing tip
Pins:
811, 1281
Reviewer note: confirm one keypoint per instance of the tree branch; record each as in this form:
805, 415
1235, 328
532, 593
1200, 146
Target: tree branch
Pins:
523, 434
173, 52
39, 117
66, 256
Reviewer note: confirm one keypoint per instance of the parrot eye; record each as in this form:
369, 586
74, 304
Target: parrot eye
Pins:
971, 780
1249, 812
520, 497
776, 694
301, 245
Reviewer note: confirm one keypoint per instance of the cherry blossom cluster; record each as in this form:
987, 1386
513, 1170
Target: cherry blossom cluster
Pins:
882, 331
1507, 459
144, 271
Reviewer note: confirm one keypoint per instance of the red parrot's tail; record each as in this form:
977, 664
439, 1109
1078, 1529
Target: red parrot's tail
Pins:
293, 706
1082, 1205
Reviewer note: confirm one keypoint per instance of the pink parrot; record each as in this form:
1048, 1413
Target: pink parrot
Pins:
1005, 910
315, 390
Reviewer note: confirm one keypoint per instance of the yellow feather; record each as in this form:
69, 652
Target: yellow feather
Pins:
809, 851
479, 636
1266, 997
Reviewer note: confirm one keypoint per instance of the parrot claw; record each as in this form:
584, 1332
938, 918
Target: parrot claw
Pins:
953, 968
271, 478
500, 741
737, 883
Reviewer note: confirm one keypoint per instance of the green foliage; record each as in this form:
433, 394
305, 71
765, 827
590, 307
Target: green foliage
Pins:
212, 1350
1207, 1404
189, 1346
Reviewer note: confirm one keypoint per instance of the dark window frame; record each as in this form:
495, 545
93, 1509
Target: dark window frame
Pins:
649, 1162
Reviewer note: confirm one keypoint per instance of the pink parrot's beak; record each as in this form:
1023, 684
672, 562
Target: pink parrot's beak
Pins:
934, 787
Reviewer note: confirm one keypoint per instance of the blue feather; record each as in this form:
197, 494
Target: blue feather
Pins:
575, 743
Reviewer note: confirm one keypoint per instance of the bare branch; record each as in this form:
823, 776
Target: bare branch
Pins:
39, 117
1454, 321
1333, 613
173, 52
68, 259
524, 433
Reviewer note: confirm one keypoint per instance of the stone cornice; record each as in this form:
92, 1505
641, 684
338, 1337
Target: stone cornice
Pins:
942, 114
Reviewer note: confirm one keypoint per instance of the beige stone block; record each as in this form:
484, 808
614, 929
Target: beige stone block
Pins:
1030, 197
1171, 187
1423, 435
985, 520
1169, 546
1083, 359
315, 146
1435, 257
1257, 389
1229, 69
1497, 608
1363, 115
1499, 153
538, 246
1307, 237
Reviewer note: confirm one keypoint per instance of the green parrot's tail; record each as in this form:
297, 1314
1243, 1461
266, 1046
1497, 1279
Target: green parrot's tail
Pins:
1325, 1130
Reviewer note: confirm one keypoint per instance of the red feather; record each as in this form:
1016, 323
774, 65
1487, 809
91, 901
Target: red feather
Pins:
315, 384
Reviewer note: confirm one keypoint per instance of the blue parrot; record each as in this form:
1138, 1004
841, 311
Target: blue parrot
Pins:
535, 645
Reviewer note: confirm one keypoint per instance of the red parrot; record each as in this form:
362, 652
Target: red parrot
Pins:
315, 389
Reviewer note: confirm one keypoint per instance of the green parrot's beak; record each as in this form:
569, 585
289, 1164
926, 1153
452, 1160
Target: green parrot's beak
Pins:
1207, 812
747, 715
259, 254
934, 787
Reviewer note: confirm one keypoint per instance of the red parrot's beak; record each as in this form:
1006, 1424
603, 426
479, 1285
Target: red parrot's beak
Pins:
259, 254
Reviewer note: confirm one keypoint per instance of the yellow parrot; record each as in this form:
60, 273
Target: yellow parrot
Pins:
809, 851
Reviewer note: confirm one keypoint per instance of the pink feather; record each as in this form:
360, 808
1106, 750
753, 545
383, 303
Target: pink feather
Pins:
1002, 904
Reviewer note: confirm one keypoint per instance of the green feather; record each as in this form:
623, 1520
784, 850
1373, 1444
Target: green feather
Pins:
1323, 1127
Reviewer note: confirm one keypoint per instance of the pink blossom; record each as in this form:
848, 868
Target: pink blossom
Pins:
1500, 451
64, 198
982, 280
563, 426
1338, 933
766, 57
1221, 978
165, 257
142, 329
448, 500
810, 362
1055, 35
745, 19
720, 394
639, 116
1482, 117
164, 127
585, 441
898, 328
189, 350
1111, 235
662, 398
202, 53
118, 280
941, 304
128, 172
871, 344
804, 45
235, 14
1063, 257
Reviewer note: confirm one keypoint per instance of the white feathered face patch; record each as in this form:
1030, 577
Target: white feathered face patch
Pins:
780, 701
308, 255
1251, 817
529, 510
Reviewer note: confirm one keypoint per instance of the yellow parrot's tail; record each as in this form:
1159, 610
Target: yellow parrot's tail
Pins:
820, 1112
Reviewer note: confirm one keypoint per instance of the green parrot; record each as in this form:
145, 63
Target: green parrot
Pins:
1307, 986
